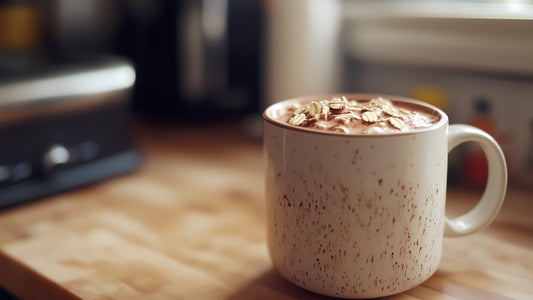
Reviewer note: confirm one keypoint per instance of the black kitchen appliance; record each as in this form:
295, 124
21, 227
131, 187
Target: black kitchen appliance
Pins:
194, 58
63, 123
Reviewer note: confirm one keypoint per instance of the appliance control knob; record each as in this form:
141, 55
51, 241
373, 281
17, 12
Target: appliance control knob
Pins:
55, 156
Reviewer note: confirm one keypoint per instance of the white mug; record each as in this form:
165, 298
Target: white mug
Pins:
360, 216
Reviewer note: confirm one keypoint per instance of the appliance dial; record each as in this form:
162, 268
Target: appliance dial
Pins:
55, 156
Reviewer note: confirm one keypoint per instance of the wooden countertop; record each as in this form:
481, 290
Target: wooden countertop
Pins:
190, 224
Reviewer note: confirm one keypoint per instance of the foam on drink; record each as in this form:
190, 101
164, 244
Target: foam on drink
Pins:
351, 116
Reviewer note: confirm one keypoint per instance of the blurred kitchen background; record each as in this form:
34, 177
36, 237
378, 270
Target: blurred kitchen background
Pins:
72, 73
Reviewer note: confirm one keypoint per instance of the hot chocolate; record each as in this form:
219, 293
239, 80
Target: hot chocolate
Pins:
360, 213
359, 116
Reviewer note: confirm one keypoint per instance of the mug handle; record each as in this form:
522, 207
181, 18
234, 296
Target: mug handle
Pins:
491, 201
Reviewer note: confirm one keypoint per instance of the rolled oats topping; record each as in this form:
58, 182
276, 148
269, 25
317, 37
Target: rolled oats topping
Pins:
397, 123
314, 108
355, 116
369, 116
337, 103
297, 119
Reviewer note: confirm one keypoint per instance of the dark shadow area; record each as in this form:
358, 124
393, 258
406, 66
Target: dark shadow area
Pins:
5, 295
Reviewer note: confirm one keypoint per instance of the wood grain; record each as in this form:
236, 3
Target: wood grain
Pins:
190, 225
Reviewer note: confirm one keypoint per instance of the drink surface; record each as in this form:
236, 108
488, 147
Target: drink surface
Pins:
358, 116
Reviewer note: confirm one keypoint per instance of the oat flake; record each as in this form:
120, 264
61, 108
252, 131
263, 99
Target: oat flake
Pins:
369, 117
297, 119
396, 123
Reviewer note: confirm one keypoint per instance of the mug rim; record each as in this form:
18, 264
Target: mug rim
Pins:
443, 116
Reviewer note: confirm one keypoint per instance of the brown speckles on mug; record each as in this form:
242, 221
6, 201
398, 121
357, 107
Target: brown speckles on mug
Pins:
356, 157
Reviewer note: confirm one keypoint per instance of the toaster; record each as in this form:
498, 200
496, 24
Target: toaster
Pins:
64, 123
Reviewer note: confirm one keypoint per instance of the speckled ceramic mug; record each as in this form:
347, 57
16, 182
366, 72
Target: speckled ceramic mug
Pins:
360, 216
